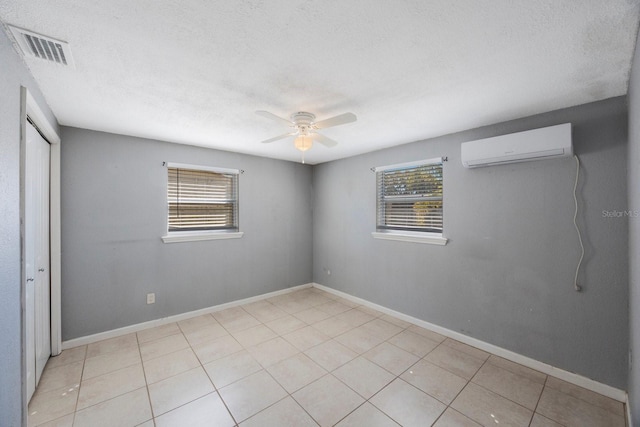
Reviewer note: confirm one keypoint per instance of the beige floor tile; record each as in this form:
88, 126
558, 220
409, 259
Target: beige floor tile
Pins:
203, 412
312, 315
407, 405
518, 369
331, 354
272, 351
51, 405
254, 335
500, 392
382, 329
162, 346
76, 354
373, 312
280, 298
571, 411
455, 361
251, 395
113, 344
433, 336
195, 323
359, 339
364, 377
229, 314
240, 323
108, 386
169, 365
66, 421
355, 317
333, 307
179, 389
540, 421
453, 418
509, 385
231, 368
216, 349
293, 306
367, 415
471, 351
284, 325
205, 333
67, 375
413, 343
333, 326
488, 408
316, 299
129, 409
398, 322
158, 332
435, 381
305, 338
392, 358
346, 302
296, 372
103, 364
586, 395
264, 311
286, 412
328, 400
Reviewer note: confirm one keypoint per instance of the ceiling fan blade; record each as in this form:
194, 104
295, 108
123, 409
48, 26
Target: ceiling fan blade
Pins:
336, 121
272, 116
276, 138
327, 142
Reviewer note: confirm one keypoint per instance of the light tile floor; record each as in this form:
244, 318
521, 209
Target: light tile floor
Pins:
306, 358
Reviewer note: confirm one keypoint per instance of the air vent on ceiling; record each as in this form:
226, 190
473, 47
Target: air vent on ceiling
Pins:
43, 47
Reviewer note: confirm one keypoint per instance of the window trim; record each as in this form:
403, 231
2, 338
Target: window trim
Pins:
427, 237
194, 236
200, 235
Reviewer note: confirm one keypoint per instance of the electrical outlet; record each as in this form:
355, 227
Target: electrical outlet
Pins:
151, 298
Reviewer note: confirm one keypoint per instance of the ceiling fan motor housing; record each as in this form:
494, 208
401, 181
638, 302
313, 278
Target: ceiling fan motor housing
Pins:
302, 118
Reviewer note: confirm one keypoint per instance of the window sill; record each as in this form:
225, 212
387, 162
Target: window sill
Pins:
177, 237
428, 238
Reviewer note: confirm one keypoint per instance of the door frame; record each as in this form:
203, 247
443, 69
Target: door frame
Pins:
30, 107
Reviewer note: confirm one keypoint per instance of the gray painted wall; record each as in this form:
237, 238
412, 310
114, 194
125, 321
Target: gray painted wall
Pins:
14, 75
506, 275
114, 212
634, 235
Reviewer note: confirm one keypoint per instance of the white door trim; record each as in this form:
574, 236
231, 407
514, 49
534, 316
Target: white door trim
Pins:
31, 108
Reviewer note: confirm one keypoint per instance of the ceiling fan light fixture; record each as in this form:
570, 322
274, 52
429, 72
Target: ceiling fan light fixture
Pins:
303, 142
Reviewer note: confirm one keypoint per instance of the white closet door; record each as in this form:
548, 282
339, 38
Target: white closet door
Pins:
37, 286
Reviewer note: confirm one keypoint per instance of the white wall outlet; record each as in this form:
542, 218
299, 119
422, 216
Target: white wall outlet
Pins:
151, 298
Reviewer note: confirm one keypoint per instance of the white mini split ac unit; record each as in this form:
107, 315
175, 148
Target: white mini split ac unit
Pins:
537, 144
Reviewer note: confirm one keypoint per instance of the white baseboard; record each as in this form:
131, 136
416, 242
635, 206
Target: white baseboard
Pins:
76, 342
579, 380
589, 384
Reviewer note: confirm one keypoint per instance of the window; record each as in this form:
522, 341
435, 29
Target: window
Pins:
202, 203
409, 202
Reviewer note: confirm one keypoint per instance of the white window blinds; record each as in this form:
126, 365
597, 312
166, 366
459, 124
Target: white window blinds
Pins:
409, 197
202, 199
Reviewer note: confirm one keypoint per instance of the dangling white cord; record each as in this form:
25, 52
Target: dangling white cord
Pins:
575, 215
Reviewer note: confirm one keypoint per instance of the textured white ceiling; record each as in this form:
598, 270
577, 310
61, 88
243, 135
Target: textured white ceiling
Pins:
196, 71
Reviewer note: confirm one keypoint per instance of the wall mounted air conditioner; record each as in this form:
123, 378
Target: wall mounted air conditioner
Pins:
537, 144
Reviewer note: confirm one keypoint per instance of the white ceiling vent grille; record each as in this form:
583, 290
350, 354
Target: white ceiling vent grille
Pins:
43, 47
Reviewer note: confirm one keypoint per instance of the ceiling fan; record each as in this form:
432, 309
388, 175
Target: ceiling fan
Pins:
304, 128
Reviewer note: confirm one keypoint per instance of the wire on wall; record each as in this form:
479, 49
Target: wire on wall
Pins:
577, 287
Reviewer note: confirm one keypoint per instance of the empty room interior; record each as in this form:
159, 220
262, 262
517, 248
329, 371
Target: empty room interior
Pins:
319, 213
